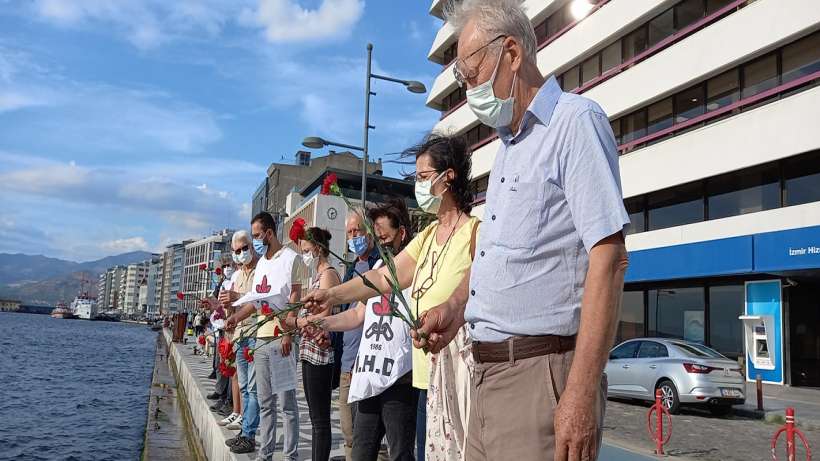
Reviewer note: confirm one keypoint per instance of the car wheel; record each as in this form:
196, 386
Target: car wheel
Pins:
720, 410
669, 396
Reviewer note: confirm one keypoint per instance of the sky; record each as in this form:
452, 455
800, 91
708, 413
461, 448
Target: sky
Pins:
132, 124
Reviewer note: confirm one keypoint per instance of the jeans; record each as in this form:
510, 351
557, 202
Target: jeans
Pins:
246, 373
391, 413
267, 406
316, 380
421, 424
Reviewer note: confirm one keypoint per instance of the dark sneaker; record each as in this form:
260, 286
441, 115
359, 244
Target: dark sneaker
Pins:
217, 405
232, 441
212, 396
244, 445
226, 409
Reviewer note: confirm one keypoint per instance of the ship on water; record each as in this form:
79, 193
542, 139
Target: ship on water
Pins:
62, 312
84, 306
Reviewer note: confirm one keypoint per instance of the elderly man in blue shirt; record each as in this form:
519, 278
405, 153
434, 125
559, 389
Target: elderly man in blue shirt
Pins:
543, 297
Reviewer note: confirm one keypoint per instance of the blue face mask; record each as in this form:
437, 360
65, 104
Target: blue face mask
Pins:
358, 245
260, 247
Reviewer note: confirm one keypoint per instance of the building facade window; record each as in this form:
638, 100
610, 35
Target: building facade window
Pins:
726, 304
661, 27
733, 85
759, 75
802, 179
670, 208
479, 187
631, 323
801, 58
754, 189
659, 116
677, 313
759, 188
636, 209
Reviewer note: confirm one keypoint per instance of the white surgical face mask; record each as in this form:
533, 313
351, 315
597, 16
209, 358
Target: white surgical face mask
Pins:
310, 260
228, 272
427, 201
243, 258
490, 110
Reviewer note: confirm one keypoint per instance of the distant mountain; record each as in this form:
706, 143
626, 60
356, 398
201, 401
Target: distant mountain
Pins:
49, 292
19, 268
42, 280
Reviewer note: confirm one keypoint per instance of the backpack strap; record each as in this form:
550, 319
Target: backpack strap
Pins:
473, 239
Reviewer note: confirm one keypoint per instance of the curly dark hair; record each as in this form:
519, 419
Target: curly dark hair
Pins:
322, 238
395, 210
448, 152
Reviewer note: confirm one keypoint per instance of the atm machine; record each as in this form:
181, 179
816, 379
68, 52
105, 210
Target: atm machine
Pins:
759, 335
763, 331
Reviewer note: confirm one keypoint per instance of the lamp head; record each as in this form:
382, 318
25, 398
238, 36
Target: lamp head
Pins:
416, 87
314, 142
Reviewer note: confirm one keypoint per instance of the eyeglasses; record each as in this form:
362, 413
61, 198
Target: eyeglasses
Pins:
240, 250
425, 175
460, 69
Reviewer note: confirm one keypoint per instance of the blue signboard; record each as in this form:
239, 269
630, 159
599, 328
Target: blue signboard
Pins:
787, 250
701, 259
764, 345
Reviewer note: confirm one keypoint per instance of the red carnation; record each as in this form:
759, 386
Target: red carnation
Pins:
218, 271
203, 267
225, 348
297, 230
276, 331
226, 370
266, 310
201, 340
329, 181
180, 296
247, 353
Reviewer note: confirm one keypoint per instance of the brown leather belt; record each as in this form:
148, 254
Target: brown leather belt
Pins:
522, 347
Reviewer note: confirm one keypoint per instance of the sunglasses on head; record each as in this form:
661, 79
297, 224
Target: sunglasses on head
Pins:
240, 250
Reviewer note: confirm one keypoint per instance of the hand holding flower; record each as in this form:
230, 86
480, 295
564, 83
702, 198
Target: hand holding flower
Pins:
319, 300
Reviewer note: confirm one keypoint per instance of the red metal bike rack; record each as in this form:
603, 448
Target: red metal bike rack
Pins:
657, 433
790, 431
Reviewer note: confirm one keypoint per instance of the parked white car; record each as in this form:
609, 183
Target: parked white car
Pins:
687, 373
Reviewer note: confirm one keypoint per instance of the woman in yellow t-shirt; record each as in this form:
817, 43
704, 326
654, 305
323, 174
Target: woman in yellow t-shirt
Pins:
433, 264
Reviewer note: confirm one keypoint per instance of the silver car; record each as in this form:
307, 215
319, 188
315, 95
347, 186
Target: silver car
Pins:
686, 373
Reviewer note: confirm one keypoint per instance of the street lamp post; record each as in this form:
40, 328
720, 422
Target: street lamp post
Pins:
317, 142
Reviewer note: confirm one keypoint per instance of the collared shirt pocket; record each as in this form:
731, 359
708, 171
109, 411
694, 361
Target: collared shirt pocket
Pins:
519, 214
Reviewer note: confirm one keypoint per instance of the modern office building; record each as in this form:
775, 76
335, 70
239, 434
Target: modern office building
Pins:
108, 288
330, 212
173, 262
150, 286
714, 105
135, 275
206, 252
284, 178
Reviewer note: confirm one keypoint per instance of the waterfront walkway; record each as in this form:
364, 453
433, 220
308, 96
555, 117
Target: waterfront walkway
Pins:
193, 373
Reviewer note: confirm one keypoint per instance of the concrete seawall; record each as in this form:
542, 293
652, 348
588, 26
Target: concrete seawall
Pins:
191, 376
167, 434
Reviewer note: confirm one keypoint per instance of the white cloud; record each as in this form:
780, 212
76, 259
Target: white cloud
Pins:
125, 245
287, 21
146, 24
12, 100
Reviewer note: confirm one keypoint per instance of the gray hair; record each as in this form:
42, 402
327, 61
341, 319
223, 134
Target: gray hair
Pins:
240, 236
494, 18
